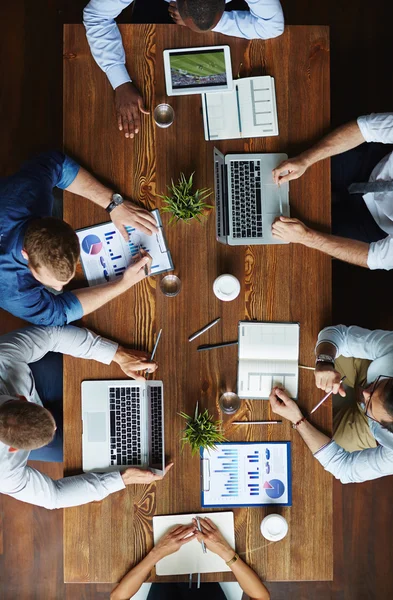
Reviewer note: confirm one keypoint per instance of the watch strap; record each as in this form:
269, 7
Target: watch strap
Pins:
117, 199
234, 559
325, 358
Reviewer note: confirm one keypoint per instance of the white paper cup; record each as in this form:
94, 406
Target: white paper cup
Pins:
274, 528
226, 287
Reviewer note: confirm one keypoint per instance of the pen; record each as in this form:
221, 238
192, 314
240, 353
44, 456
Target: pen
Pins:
254, 422
154, 349
190, 581
145, 268
325, 397
199, 529
200, 331
211, 347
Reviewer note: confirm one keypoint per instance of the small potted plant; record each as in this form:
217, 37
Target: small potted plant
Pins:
201, 431
183, 203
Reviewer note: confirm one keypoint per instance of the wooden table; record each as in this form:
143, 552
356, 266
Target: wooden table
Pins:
279, 283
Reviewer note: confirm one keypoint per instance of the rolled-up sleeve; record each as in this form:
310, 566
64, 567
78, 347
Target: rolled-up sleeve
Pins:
377, 127
105, 40
54, 167
264, 21
355, 467
380, 254
357, 341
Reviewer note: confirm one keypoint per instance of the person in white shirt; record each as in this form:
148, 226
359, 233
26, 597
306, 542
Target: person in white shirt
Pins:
362, 445
26, 425
264, 20
362, 193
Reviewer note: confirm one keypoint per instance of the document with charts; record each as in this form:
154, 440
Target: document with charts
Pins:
268, 356
246, 474
105, 254
249, 110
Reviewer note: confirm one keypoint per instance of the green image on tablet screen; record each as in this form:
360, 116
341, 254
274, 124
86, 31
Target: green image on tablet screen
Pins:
198, 69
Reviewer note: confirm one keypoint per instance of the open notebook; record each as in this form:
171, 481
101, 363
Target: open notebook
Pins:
268, 356
190, 558
249, 110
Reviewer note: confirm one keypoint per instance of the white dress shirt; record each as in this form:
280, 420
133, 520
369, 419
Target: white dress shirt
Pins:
265, 20
379, 128
28, 345
362, 465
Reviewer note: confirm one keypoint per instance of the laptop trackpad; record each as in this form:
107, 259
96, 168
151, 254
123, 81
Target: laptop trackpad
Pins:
96, 427
272, 203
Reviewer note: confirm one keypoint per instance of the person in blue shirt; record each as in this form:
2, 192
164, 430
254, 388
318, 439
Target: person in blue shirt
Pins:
39, 253
263, 21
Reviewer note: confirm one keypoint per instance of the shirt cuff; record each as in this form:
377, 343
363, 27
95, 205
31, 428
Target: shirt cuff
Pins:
69, 172
113, 482
222, 23
73, 308
107, 350
118, 75
364, 130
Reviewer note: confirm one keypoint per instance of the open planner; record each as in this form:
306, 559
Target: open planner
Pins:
268, 356
246, 474
249, 110
105, 254
191, 558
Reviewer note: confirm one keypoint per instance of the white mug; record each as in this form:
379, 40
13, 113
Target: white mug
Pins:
274, 527
226, 287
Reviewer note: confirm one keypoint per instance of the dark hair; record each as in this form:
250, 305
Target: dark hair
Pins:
54, 244
25, 425
387, 402
202, 12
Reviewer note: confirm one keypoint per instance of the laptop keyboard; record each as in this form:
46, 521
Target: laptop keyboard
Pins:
217, 168
245, 182
125, 415
156, 425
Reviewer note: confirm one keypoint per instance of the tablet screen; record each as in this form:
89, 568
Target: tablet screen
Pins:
191, 69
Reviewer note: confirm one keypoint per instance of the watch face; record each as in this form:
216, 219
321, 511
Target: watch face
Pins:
117, 199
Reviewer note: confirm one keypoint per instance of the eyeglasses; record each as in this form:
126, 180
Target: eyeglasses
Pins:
377, 382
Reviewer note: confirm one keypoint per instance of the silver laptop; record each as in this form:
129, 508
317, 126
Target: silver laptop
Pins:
123, 425
247, 199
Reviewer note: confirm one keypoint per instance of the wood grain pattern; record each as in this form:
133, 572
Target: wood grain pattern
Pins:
285, 283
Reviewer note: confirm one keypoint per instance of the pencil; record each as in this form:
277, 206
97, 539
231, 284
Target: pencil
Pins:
254, 422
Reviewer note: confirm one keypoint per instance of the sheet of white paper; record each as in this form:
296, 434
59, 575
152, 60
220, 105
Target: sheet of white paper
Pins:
105, 255
256, 378
247, 474
190, 558
269, 341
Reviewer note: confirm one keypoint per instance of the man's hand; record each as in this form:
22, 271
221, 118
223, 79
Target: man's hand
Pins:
132, 362
328, 379
129, 105
175, 14
296, 167
133, 216
291, 230
139, 476
284, 406
174, 540
136, 272
213, 539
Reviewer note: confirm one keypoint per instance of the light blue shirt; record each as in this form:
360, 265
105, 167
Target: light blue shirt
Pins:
362, 465
265, 20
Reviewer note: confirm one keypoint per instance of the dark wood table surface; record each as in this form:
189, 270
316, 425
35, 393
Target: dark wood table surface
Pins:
279, 283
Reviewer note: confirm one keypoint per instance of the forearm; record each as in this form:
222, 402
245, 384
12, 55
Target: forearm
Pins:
340, 140
92, 298
326, 348
131, 583
249, 581
351, 251
312, 437
89, 187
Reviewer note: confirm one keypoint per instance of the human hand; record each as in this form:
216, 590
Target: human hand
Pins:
174, 13
136, 272
213, 539
290, 230
328, 379
128, 106
296, 167
284, 406
133, 361
173, 540
132, 215
141, 476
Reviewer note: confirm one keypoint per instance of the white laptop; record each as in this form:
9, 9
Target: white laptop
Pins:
123, 425
247, 199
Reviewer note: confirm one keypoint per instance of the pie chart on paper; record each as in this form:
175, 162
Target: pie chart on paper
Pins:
91, 244
274, 488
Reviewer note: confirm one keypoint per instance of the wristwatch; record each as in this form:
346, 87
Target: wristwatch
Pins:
324, 358
117, 199
234, 559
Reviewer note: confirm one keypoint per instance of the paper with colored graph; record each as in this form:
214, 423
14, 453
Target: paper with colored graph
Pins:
105, 254
247, 474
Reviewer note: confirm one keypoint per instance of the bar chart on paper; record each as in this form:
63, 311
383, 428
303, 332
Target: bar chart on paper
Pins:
246, 474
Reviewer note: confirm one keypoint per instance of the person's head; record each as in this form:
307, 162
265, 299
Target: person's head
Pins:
378, 398
51, 248
25, 425
201, 15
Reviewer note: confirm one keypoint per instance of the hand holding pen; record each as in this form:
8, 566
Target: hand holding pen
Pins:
328, 379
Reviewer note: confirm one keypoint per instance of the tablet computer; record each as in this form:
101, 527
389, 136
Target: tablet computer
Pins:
198, 70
